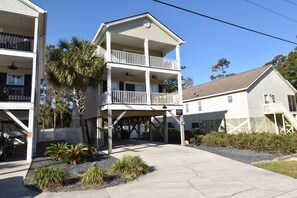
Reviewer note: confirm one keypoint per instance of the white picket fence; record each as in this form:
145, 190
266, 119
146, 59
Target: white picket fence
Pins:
71, 135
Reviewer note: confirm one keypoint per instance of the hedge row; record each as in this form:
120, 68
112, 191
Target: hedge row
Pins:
265, 142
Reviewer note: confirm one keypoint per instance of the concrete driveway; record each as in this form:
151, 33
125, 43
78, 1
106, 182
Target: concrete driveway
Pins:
188, 172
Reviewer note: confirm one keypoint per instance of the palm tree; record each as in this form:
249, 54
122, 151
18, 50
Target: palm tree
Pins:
74, 65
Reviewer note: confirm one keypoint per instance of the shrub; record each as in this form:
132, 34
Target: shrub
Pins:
76, 154
56, 151
94, 176
130, 167
50, 177
266, 142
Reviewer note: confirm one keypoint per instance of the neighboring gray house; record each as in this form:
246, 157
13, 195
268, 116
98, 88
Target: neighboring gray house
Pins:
259, 100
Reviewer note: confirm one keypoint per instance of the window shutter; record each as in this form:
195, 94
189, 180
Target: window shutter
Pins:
122, 86
27, 85
3, 78
160, 88
104, 86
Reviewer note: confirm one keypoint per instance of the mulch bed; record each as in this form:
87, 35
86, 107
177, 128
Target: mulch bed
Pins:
76, 171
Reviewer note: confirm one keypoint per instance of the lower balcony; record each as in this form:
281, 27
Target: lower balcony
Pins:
15, 93
134, 97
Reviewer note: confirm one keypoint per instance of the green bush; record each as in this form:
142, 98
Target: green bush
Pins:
56, 151
265, 142
76, 154
94, 176
50, 177
130, 167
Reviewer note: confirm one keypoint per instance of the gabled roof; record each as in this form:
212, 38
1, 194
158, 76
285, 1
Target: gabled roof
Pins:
235, 83
104, 26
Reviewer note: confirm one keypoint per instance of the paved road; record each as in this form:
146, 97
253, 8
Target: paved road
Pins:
187, 172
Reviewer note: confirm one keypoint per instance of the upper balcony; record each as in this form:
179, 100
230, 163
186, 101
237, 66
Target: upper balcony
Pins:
140, 60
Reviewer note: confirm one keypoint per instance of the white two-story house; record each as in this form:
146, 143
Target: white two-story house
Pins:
259, 100
133, 91
22, 44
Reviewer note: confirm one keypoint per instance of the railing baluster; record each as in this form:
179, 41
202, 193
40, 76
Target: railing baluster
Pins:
16, 42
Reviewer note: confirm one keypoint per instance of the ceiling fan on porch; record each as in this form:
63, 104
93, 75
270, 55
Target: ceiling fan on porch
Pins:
12, 66
154, 77
129, 75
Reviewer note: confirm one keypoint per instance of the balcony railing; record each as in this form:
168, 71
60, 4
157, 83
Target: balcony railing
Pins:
15, 93
163, 63
16, 42
128, 97
139, 59
165, 98
127, 57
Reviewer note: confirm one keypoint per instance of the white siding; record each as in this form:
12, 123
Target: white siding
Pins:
270, 83
15, 6
236, 109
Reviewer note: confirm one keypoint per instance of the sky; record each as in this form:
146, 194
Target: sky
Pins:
206, 40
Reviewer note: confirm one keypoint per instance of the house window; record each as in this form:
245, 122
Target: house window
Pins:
230, 100
17, 80
269, 98
195, 125
199, 106
13, 79
187, 108
292, 102
115, 85
155, 88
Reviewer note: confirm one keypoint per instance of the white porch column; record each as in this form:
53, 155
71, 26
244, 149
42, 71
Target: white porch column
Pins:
109, 131
148, 87
182, 130
108, 85
177, 54
275, 124
180, 88
146, 52
31, 132
165, 128
30, 136
108, 47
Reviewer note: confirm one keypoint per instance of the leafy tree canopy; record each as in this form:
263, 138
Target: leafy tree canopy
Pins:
220, 68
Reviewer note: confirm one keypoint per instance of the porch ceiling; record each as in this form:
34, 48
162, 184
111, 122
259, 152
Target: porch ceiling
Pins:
130, 75
13, 19
19, 62
139, 43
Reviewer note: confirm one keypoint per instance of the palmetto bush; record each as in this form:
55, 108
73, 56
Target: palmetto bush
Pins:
130, 167
76, 154
50, 177
94, 176
57, 151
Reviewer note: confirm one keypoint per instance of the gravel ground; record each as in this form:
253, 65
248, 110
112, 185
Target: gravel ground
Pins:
245, 156
76, 171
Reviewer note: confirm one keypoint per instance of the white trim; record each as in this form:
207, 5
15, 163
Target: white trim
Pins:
33, 6
17, 53
16, 105
139, 107
143, 68
258, 77
104, 27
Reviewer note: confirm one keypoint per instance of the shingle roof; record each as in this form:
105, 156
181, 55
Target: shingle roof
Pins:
236, 82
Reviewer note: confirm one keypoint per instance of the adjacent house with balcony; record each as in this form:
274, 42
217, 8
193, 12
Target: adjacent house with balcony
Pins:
133, 91
22, 44
259, 100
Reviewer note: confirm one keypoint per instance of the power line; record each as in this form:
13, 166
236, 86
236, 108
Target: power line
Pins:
225, 22
292, 2
277, 13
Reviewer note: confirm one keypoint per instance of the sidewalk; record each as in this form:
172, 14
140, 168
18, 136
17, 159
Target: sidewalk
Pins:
187, 172
12, 174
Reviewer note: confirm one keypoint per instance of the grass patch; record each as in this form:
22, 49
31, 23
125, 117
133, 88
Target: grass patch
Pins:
94, 176
288, 168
